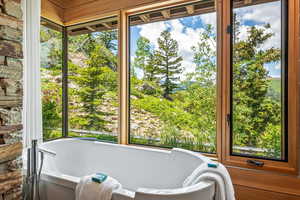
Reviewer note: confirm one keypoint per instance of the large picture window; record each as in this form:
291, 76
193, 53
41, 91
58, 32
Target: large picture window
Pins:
81, 88
258, 79
51, 79
93, 80
173, 84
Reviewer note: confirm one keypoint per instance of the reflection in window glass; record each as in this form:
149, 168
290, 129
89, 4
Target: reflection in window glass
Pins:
257, 80
93, 86
173, 78
51, 81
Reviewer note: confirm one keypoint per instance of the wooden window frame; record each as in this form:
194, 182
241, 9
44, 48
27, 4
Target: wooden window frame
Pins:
291, 166
125, 65
223, 9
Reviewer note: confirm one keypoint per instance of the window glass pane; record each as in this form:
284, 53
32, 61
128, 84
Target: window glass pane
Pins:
257, 80
93, 86
51, 80
173, 77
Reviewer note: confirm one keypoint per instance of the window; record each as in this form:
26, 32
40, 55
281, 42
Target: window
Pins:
51, 79
173, 80
93, 80
258, 80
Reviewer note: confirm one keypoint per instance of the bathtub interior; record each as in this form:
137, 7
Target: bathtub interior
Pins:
133, 167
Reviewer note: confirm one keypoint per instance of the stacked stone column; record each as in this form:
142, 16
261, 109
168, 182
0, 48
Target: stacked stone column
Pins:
11, 69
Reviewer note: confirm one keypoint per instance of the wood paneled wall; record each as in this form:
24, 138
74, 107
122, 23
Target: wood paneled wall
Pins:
270, 183
248, 193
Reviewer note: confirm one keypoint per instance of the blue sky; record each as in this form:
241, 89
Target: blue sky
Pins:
187, 30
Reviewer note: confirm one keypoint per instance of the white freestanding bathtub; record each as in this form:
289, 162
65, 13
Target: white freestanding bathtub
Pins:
133, 167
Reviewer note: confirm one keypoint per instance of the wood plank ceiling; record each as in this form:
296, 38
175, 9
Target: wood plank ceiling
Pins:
65, 4
112, 22
70, 12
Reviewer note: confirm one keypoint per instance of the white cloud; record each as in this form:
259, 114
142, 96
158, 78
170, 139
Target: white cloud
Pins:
269, 13
210, 18
186, 37
152, 31
262, 12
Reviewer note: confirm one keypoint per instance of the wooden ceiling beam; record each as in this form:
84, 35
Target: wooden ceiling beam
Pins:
108, 21
248, 2
106, 25
190, 9
90, 28
145, 18
166, 14
174, 15
86, 31
43, 23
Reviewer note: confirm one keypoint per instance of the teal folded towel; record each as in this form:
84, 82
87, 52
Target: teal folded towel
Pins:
212, 165
99, 178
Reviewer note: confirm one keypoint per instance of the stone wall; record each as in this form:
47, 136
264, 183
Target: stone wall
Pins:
11, 68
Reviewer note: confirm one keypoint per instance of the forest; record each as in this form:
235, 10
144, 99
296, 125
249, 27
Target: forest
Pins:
165, 109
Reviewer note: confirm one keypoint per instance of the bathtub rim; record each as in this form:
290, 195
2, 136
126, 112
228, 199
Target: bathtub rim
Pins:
136, 147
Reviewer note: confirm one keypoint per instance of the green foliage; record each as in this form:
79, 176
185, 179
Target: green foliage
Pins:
142, 53
51, 42
51, 87
256, 114
190, 119
146, 60
85, 44
51, 103
109, 39
94, 81
51, 118
275, 84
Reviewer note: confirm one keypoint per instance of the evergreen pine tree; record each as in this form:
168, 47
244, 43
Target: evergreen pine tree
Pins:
168, 62
93, 85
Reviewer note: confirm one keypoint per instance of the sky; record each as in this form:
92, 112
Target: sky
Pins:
187, 30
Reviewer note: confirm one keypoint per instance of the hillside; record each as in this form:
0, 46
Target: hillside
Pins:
276, 84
